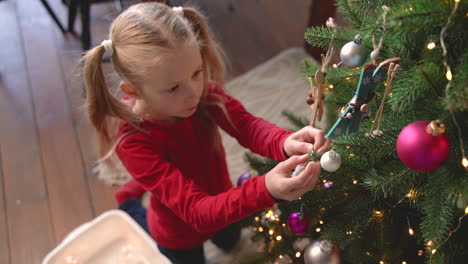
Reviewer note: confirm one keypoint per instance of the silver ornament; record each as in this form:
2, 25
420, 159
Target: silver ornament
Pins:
330, 161
321, 252
353, 54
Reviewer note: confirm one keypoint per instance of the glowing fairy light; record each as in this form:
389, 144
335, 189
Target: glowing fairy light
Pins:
448, 75
260, 229
298, 254
431, 45
318, 229
279, 238
411, 231
465, 162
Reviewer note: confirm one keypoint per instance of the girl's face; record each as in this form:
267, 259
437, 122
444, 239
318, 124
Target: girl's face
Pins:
175, 86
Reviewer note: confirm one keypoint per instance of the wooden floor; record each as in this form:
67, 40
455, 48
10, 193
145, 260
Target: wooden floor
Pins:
47, 146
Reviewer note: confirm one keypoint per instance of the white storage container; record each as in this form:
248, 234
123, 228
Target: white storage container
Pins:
112, 238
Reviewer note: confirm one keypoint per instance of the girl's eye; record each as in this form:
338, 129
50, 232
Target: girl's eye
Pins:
196, 74
173, 89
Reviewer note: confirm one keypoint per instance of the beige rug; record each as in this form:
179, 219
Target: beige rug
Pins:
265, 91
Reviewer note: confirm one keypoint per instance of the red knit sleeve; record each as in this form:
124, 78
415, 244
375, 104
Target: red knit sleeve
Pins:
206, 213
254, 133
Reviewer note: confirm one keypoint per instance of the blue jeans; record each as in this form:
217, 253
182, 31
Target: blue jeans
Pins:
226, 239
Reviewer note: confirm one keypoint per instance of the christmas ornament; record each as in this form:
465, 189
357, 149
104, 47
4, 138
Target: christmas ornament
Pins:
327, 184
298, 223
321, 252
423, 145
352, 115
330, 161
353, 54
245, 176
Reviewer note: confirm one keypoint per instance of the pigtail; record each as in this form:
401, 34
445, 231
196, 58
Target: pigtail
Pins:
214, 67
103, 108
212, 53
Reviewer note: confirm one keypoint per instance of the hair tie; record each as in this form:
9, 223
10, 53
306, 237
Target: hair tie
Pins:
178, 10
107, 45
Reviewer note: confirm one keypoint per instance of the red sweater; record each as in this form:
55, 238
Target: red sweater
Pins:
192, 196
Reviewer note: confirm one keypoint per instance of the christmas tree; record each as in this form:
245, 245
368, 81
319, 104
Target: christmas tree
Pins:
401, 192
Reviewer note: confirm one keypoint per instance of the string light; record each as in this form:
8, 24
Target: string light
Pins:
331, 86
271, 232
433, 251
449, 76
335, 66
404, 262
279, 238
298, 254
381, 262
429, 243
431, 45
321, 222
257, 218
318, 229
283, 225
280, 256
410, 231
466, 210
420, 252
260, 229
355, 181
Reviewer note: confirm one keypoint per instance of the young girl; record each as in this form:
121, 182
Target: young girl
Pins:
168, 138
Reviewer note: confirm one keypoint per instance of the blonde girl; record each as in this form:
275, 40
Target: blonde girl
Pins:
167, 134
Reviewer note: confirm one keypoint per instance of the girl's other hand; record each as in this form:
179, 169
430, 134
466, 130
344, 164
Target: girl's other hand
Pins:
281, 186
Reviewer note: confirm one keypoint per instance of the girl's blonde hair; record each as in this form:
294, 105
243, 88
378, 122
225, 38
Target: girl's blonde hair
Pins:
143, 31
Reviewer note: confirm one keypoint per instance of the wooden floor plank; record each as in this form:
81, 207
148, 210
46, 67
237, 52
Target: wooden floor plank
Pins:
4, 240
69, 51
30, 231
69, 197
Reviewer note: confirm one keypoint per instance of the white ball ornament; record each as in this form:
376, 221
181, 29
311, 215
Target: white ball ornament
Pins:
353, 54
330, 161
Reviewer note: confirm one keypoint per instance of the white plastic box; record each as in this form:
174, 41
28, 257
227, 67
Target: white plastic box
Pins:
111, 238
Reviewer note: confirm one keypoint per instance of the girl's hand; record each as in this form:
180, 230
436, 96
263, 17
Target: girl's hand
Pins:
306, 140
281, 186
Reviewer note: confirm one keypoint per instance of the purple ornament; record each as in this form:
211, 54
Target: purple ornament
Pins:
298, 223
245, 176
328, 184
419, 150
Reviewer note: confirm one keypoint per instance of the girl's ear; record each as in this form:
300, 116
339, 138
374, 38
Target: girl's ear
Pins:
129, 90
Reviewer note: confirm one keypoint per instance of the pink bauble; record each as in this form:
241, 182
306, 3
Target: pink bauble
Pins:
298, 223
421, 151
